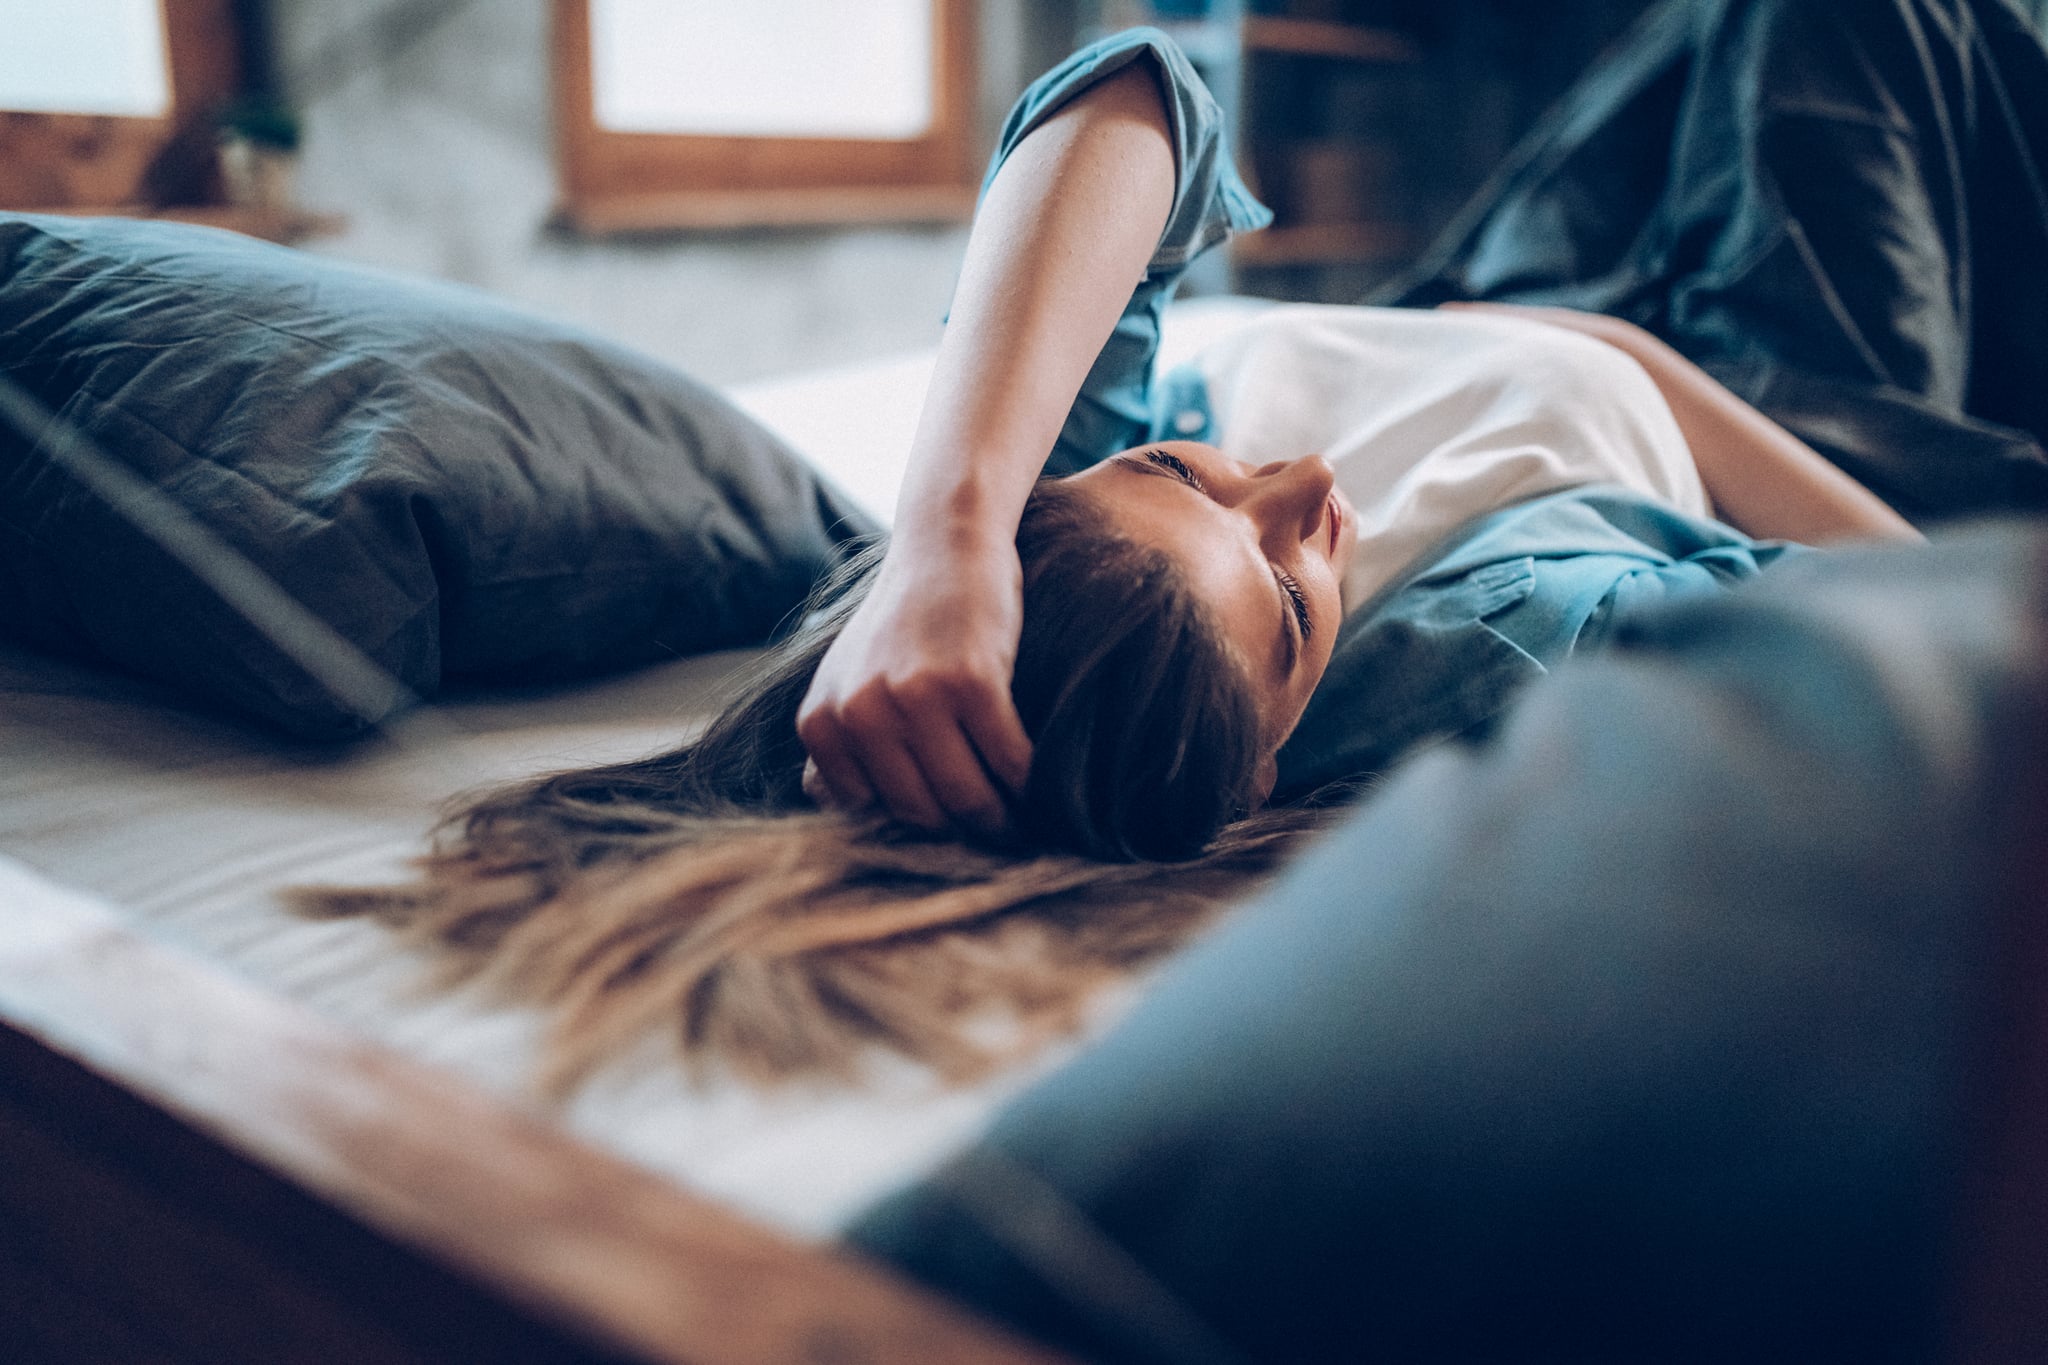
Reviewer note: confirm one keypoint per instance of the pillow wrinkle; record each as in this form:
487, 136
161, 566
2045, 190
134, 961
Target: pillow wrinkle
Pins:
189, 459
459, 488
275, 532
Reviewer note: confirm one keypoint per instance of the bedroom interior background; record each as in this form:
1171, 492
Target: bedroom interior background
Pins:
553, 272
430, 126
425, 145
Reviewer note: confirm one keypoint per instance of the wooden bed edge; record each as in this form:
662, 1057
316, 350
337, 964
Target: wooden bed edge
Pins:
614, 1260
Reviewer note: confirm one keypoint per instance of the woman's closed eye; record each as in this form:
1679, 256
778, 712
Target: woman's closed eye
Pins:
1176, 466
1292, 588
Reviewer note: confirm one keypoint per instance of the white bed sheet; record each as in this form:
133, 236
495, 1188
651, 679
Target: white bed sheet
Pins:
189, 826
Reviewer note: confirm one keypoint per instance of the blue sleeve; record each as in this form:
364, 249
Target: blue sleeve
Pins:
1599, 555
1497, 605
1113, 410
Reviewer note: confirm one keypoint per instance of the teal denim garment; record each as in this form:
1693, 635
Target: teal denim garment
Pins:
1114, 410
1494, 606
1500, 603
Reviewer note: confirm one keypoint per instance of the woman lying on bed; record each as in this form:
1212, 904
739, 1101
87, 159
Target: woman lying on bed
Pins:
1090, 678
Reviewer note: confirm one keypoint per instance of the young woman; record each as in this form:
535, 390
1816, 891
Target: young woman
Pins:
1026, 748
1111, 175
704, 891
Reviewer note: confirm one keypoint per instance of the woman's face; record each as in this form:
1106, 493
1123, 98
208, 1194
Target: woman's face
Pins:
1264, 549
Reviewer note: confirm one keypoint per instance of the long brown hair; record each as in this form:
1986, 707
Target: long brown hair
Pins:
700, 891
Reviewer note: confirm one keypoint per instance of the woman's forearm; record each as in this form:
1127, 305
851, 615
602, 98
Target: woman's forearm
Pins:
1763, 479
1061, 239
910, 708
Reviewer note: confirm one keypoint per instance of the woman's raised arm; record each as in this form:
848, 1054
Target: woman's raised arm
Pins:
911, 707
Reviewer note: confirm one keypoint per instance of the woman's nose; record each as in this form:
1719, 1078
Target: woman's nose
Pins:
1289, 498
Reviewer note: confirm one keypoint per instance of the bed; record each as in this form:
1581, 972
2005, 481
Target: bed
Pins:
136, 827
232, 1133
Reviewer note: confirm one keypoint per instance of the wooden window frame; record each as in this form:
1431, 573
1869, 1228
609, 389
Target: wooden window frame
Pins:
615, 182
104, 162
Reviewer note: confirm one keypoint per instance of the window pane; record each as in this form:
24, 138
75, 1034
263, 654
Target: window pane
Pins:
84, 57
763, 68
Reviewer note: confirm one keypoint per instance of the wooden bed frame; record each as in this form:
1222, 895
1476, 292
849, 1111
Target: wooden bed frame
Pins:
194, 1170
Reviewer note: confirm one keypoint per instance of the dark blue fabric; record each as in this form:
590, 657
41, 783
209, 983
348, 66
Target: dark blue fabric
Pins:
1641, 1031
1840, 210
459, 489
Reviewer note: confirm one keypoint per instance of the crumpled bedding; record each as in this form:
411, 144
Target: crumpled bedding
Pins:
1839, 210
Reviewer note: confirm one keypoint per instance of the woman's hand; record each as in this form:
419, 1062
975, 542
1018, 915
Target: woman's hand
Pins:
910, 708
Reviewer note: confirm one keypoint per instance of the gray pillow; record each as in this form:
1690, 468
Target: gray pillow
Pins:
461, 490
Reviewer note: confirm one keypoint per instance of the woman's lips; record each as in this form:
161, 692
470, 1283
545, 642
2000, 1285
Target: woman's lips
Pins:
1333, 515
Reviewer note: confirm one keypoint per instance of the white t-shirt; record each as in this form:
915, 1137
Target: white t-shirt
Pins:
1431, 418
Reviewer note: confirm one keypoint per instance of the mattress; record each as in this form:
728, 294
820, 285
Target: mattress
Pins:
188, 827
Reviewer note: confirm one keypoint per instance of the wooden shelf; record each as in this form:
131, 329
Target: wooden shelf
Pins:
272, 225
1323, 244
1323, 38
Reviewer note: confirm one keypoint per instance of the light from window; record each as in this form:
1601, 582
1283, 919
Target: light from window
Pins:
763, 68
84, 57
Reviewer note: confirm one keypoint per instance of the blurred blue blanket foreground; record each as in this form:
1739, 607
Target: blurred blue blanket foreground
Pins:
1674, 1021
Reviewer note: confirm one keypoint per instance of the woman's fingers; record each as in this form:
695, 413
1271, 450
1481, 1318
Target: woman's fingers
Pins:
992, 725
850, 797
959, 775
930, 753
910, 707
869, 735
899, 781
832, 776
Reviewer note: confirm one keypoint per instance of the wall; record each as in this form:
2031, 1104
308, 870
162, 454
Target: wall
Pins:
427, 124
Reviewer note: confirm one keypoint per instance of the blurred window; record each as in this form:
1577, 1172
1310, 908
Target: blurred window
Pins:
84, 57
859, 71
723, 113
110, 104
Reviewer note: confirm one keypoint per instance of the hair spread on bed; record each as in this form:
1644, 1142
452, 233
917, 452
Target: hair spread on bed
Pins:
700, 892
